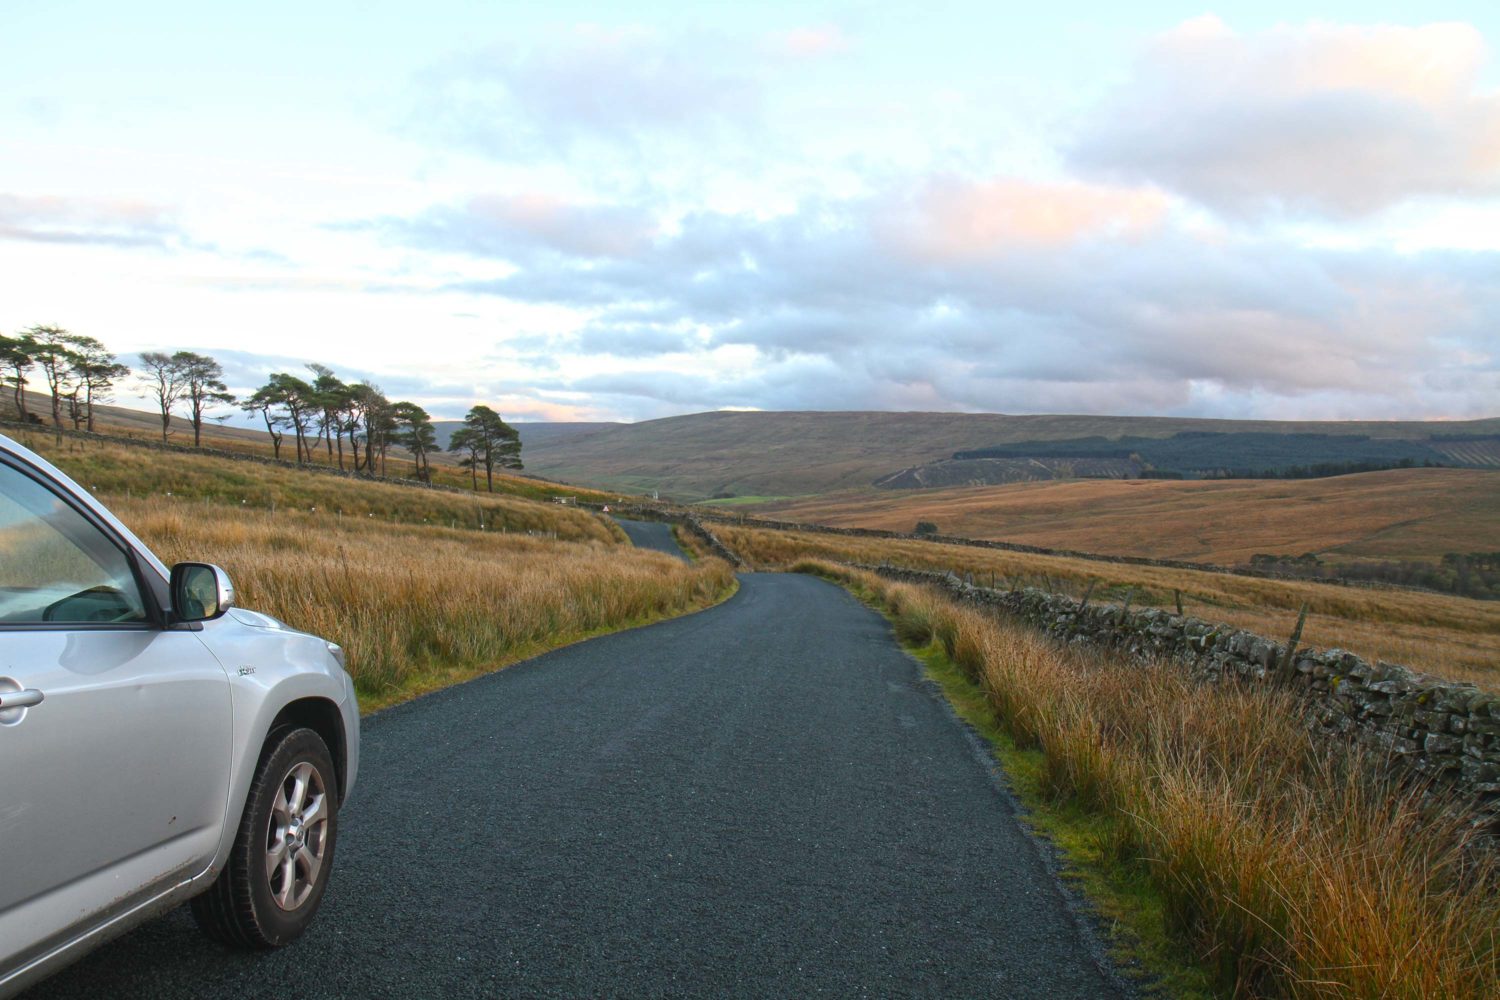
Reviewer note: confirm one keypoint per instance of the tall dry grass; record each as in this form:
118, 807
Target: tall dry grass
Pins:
1453, 637
416, 607
1292, 868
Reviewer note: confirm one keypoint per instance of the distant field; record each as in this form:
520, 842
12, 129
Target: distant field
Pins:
695, 457
1453, 637
1400, 514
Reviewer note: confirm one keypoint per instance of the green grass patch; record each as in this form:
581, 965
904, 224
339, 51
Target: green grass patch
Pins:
749, 501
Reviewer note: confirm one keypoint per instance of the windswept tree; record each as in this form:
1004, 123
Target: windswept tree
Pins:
54, 354
333, 406
202, 386
265, 401
414, 432
96, 371
16, 358
370, 420
161, 377
499, 444
467, 443
299, 401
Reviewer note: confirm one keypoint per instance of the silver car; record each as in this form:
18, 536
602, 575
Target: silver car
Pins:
157, 744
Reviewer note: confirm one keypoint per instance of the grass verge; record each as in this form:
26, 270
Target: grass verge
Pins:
419, 607
1212, 826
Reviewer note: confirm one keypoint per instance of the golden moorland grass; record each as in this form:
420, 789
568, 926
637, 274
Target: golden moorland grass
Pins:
1454, 637
112, 470
1287, 867
420, 607
1398, 514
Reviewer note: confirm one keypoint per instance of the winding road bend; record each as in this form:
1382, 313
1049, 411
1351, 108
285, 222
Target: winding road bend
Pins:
651, 535
763, 799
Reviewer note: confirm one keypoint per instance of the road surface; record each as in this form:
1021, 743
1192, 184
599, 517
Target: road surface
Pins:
651, 535
762, 799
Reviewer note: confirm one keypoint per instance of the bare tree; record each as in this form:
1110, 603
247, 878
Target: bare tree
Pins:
161, 376
202, 386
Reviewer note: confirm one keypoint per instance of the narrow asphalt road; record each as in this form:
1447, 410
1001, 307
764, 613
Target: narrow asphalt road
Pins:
651, 535
763, 799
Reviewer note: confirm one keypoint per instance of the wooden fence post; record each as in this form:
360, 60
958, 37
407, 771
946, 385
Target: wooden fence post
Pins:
1291, 646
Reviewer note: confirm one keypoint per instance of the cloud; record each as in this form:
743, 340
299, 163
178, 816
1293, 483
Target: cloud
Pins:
520, 226
811, 41
955, 219
94, 221
1333, 120
1006, 295
590, 85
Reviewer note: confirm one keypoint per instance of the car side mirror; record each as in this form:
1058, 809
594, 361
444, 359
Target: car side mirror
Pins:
201, 592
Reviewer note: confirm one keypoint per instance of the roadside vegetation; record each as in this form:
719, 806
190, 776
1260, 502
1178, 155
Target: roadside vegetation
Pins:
113, 471
1206, 820
418, 607
422, 587
1448, 636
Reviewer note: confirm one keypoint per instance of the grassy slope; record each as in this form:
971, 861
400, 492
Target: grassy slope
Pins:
119, 421
1401, 514
115, 471
791, 454
1451, 636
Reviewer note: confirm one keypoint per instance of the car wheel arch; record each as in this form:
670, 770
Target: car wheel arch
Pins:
323, 717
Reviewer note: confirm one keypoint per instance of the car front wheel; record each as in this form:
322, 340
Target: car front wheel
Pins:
278, 868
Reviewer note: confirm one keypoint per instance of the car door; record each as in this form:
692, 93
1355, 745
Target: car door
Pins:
113, 785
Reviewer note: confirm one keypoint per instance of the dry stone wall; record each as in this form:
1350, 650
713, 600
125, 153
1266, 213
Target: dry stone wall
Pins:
1447, 731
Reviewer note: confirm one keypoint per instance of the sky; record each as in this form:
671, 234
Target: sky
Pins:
622, 211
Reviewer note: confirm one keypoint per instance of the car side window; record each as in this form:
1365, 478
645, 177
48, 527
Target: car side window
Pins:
56, 567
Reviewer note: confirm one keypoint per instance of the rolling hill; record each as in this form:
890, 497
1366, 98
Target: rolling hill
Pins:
790, 454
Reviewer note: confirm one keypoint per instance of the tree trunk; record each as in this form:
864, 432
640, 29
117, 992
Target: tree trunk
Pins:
166, 420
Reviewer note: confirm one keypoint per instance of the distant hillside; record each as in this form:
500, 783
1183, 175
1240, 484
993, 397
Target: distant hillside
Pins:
532, 434
792, 454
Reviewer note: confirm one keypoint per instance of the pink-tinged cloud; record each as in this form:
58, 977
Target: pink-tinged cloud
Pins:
812, 41
1325, 119
956, 220
574, 228
102, 221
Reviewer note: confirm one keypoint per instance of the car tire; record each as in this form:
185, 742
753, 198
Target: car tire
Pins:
278, 868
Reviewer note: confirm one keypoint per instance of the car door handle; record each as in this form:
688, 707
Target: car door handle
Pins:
20, 699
